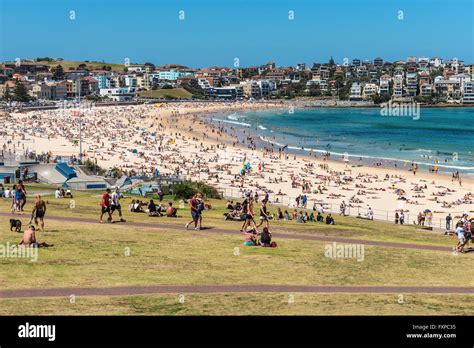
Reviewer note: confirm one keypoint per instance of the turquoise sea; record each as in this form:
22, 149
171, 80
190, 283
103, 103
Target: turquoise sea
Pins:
443, 134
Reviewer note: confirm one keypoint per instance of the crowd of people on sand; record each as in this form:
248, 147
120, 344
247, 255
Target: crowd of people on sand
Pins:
145, 137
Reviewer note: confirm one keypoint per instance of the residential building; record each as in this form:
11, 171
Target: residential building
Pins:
251, 89
119, 94
370, 90
426, 90
227, 92
378, 62
356, 91
447, 88
412, 84
468, 93
173, 74
40, 91
384, 84
136, 68
397, 87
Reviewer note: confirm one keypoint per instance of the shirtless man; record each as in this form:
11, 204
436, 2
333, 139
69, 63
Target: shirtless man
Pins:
39, 210
29, 239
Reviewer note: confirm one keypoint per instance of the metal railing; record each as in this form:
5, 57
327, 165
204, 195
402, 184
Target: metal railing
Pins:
333, 208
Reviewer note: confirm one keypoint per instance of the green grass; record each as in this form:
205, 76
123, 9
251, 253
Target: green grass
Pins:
245, 304
66, 64
93, 255
162, 93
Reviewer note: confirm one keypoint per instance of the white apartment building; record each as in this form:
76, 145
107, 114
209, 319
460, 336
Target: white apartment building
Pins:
468, 93
384, 84
397, 88
412, 84
356, 91
119, 94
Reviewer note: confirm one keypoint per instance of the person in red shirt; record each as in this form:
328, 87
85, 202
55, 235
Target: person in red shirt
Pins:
105, 206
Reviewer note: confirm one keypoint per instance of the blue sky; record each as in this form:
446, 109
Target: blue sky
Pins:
214, 32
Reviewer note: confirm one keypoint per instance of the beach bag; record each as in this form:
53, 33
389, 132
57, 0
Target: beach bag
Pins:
274, 245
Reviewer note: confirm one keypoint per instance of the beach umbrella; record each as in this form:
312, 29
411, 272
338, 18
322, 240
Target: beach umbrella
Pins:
426, 211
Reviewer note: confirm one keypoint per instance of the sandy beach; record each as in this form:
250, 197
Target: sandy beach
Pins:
175, 139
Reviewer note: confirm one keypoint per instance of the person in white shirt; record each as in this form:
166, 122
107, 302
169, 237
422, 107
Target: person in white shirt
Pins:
370, 213
57, 193
115, 203
461, 239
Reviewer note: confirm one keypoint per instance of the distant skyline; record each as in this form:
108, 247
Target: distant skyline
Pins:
254, 31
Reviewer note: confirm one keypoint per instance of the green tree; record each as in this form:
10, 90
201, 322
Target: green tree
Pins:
20, 93
58, 72
314, 90
7, 96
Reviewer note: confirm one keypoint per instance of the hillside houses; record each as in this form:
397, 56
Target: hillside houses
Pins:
427, 79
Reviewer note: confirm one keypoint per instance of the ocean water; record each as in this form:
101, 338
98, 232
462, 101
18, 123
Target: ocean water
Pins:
443, 134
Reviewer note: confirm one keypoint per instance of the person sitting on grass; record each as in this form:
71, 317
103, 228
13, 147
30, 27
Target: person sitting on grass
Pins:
131, 205
280, 214
311, 216
319, 217
171, 211
286, 216
266, 238
329, 220
250, 237
300, 217
153, 209
229, 205
29, 239
136, 207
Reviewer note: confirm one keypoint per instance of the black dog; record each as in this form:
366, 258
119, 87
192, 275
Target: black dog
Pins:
15, 224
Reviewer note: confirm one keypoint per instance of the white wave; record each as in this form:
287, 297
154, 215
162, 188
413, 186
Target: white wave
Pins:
308, 149
235, 122
233, 117
261, 127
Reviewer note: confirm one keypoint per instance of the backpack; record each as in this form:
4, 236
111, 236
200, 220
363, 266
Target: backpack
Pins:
274, 245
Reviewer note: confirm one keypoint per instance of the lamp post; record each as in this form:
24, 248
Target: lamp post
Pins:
80, 122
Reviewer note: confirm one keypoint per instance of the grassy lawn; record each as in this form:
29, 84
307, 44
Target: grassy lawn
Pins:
66, 64
246, 304
93, 255
162, 93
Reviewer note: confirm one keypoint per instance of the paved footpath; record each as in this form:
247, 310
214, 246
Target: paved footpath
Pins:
203, 289
276, 234
206, 289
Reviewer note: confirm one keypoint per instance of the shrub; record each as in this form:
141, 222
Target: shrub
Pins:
91, 167
189, 188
